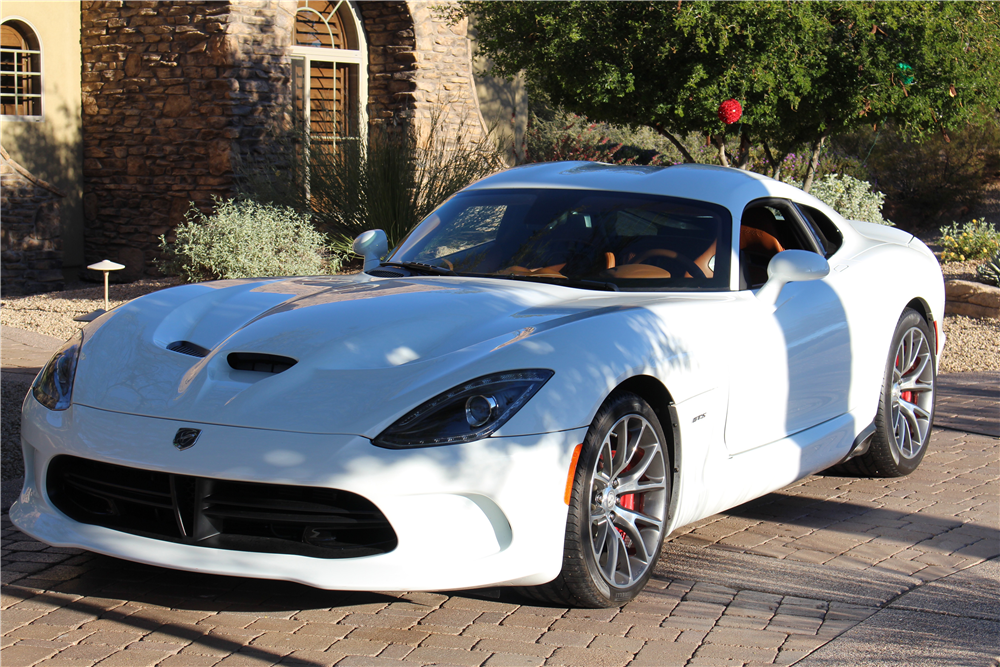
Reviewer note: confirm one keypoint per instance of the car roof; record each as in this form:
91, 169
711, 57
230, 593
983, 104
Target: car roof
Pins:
721, 185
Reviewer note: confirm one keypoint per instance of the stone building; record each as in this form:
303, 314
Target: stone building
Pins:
171, 92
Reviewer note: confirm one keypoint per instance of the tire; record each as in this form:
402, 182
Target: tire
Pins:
906, 406
606, 524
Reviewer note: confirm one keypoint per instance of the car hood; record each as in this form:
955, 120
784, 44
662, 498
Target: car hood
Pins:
364, 351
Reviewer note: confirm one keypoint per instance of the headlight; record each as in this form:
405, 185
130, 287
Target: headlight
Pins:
53, 387
470, 411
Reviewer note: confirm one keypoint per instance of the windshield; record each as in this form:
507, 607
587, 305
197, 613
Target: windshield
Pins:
626, 240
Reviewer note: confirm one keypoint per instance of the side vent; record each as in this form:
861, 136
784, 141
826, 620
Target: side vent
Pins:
189, 348
261, 363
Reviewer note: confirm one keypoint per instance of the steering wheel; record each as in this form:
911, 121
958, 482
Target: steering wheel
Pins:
660, 256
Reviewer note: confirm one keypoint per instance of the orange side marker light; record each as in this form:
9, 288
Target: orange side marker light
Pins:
572, 472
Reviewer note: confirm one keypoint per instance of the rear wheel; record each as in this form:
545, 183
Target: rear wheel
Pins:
906, 407
618, 508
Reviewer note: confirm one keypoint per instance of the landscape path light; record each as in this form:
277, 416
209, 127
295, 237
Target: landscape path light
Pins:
106, 266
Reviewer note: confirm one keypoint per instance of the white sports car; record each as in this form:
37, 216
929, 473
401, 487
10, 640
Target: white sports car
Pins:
561, 365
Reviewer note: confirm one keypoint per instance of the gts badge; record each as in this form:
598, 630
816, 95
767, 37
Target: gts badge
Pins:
186, 437
699, 417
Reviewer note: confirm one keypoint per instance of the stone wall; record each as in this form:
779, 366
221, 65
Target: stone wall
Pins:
168, 89
30, 240
445, 94
392, 62
172, 90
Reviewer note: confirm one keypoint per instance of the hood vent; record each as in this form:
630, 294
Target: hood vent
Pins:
189, 348
261, 363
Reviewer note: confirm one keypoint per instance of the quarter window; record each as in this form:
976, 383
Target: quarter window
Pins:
20, 70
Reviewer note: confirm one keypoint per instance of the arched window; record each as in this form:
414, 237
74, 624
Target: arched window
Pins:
20, 70
329, 66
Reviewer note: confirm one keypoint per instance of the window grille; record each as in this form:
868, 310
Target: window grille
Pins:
327, 60
20, 71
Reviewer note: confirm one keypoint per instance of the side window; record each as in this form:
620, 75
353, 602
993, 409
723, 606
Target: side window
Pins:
767, 228
823, 227
20, 70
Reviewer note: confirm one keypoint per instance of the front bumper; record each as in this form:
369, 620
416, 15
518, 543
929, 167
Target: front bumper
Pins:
484, 513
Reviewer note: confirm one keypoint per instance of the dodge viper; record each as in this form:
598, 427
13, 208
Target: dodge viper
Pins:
558, 367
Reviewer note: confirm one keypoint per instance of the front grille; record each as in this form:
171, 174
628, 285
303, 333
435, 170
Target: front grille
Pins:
242, 516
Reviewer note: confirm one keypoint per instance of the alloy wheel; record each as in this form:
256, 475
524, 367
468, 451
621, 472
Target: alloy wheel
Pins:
627, 501
912, 396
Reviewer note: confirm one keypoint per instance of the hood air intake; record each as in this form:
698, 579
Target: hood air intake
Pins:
261, 363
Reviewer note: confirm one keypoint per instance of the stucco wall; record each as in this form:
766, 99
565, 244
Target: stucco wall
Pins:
51, 148
503, 103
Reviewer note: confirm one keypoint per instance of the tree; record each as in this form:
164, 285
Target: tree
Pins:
800, 70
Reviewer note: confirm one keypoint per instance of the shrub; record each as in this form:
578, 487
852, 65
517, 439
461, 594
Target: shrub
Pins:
244, 239
852, 198
989, 273
976, 239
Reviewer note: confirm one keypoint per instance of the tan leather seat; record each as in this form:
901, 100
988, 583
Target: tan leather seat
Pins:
758, 244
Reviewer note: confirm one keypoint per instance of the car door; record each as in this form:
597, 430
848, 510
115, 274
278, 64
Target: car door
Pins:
791, 360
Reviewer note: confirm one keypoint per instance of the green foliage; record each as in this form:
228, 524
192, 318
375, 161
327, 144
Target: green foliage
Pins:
852, 198
392, 184
989, 273
802, 71
244, 239
976, 239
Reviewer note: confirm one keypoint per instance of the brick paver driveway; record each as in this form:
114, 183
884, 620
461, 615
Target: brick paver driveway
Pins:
767, 583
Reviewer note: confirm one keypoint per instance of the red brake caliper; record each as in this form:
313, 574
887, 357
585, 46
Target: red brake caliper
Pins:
907, 395
628, 501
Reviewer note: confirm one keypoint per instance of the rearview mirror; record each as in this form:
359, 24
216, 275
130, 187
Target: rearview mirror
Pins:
372, 245
791, 266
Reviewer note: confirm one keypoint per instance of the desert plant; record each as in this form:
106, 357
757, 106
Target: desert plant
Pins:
852, 198
245, 239
391, 182
989, 272
976, 239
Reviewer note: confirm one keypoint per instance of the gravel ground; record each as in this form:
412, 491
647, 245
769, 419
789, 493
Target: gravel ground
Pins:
972, 344
961, 270
52, 314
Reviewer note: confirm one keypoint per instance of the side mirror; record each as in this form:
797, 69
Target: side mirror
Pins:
372, 245
791, 266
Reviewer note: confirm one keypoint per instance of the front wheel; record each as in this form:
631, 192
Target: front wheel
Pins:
618, 508
906, 406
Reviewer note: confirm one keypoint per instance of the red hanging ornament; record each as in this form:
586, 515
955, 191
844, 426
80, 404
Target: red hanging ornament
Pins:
730, 111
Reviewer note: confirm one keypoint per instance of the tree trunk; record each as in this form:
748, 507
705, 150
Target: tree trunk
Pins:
743, 161
775, 163
813, 164
677, 144
775, 166
720, 143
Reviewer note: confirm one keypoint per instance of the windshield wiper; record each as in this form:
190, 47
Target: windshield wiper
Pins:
420, 266
556, 280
